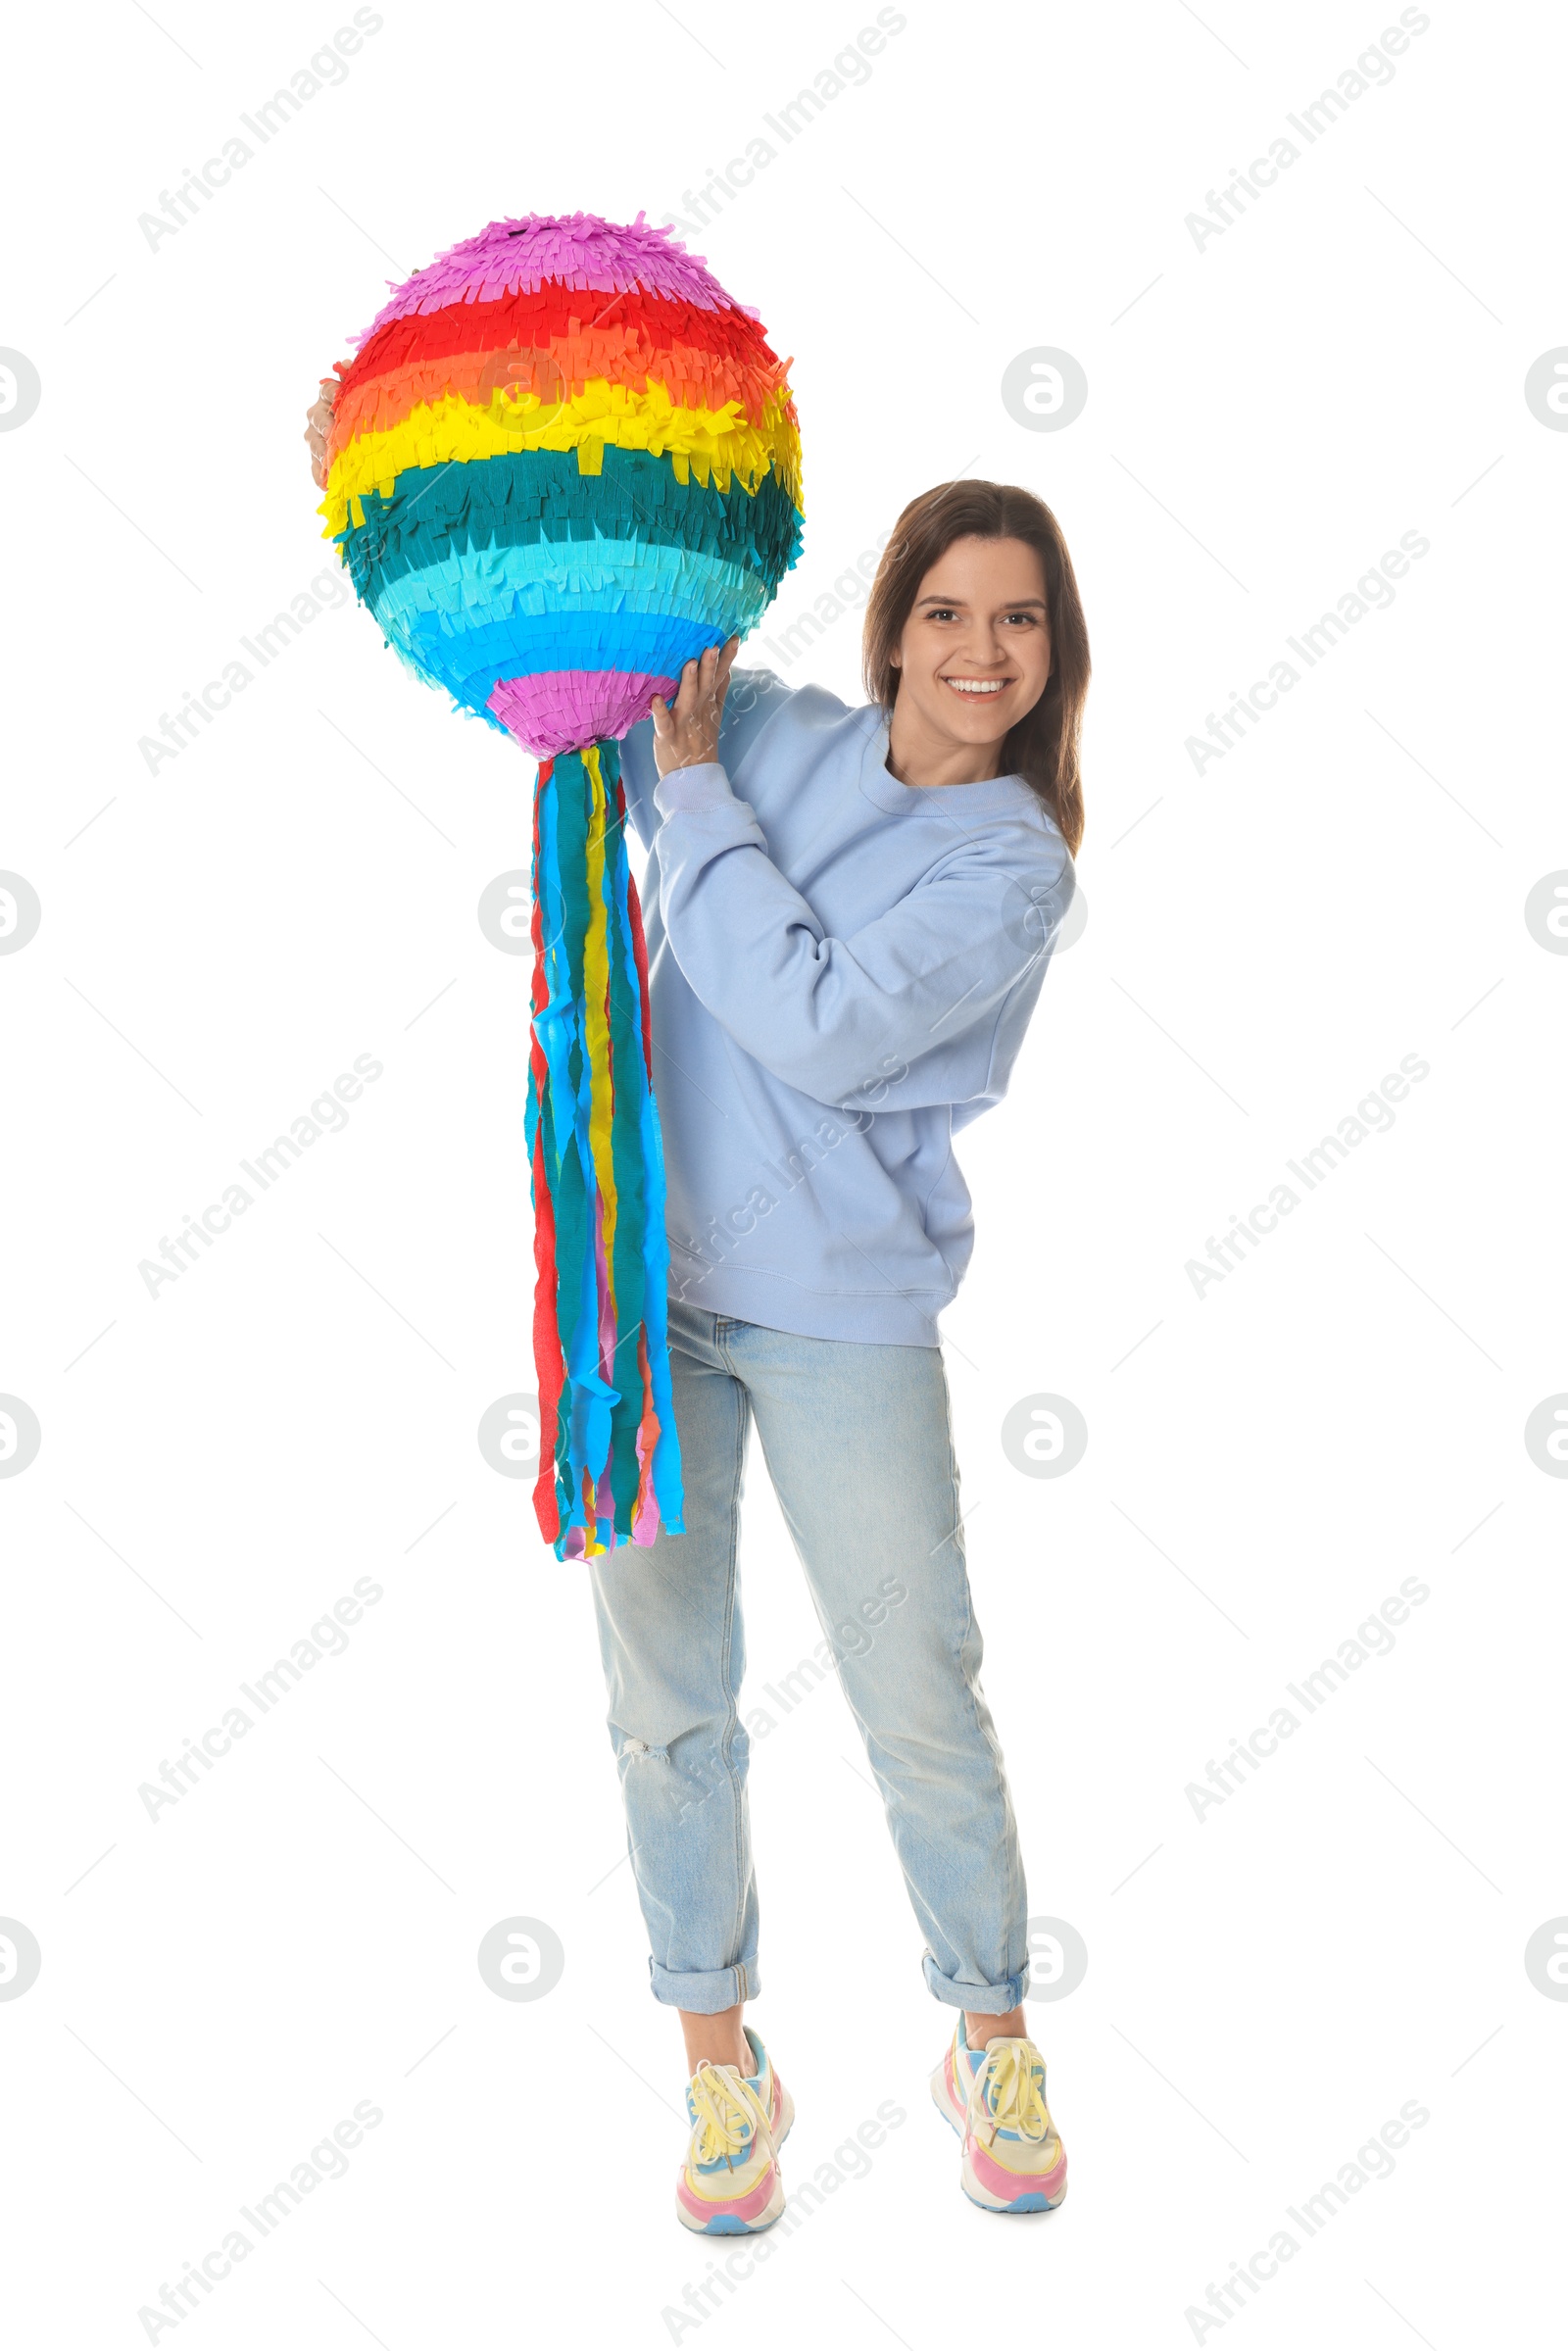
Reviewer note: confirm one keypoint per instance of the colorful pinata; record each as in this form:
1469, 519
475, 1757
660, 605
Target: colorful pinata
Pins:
562, 462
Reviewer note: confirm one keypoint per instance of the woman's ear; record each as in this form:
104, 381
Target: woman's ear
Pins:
894, 658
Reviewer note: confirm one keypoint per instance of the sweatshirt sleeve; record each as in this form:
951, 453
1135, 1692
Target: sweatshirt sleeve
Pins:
754, 696
906, 1012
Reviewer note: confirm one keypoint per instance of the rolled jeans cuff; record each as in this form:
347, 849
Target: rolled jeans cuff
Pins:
981, 1999
707, 1992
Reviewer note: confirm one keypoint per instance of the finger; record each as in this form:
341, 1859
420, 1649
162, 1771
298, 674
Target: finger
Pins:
686, 698
658, 711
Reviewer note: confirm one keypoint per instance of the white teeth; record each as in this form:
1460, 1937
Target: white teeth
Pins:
977, 685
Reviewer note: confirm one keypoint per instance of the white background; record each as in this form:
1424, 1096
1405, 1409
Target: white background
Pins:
1267, 1985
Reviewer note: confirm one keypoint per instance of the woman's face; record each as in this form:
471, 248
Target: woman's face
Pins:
975, 653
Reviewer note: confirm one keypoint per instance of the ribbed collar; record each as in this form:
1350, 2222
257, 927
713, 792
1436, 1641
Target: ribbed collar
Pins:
1000, 796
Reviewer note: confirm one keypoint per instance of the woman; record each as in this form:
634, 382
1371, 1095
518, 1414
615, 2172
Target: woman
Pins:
848, 917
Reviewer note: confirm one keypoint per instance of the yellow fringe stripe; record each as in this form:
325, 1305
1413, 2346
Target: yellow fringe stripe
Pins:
716, 445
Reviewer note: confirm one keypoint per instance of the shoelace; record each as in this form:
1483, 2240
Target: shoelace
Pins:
725, 2123
1017, 2098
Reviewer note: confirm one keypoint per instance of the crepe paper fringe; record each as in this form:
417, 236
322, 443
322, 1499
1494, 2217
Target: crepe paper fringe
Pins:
539, 495
609, 1455
599, 577
615, 631
609, 647
714, 444
490, 525
564, 381
579, 250
558, 707
563, 464
551, 341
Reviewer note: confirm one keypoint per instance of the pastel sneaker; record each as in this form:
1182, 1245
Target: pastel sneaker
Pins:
730, 2183
995, 2098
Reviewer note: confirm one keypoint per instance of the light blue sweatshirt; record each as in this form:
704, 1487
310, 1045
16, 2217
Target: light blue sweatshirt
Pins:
841, 971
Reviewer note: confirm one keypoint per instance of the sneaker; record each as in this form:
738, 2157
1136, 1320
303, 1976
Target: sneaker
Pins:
730, 2185
995, 2098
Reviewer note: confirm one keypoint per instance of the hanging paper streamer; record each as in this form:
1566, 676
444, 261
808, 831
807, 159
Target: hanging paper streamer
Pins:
563, 464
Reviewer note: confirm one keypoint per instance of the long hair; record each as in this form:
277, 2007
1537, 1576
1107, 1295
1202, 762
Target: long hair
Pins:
1043, 747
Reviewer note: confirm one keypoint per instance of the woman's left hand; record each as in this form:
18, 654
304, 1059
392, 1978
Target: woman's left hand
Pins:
686, 731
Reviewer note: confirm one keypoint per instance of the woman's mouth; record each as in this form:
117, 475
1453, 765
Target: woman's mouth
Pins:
978, 689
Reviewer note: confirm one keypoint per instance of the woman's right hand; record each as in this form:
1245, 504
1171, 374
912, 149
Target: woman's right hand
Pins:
317, 424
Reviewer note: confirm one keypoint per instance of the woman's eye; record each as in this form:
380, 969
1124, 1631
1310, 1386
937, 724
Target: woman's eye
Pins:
1027, 619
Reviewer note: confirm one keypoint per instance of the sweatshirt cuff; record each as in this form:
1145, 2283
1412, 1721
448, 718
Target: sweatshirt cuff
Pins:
703, 787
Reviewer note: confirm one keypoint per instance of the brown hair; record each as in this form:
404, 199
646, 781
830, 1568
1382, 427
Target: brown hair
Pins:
1043, 747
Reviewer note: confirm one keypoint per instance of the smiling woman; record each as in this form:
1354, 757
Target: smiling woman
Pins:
854, 907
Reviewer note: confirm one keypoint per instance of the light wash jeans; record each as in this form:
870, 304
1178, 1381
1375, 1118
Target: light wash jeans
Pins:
858, 1444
